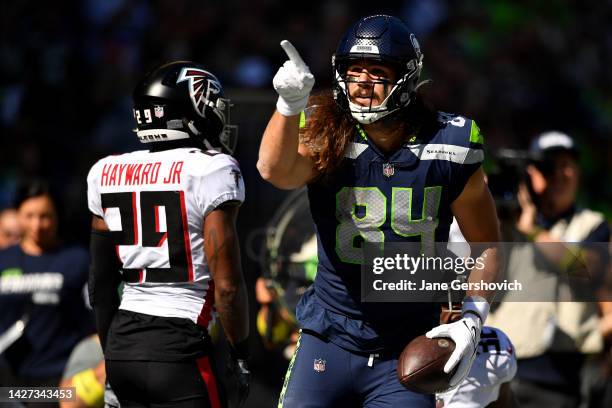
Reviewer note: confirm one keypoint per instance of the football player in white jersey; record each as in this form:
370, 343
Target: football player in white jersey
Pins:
164, 224
488, 381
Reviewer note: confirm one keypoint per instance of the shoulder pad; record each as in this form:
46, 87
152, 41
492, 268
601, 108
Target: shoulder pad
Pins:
459, 130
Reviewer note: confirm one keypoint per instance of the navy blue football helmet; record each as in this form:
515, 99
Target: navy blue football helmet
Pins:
183, 100
385, 39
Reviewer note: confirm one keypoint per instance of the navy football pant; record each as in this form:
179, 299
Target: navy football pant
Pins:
322, 374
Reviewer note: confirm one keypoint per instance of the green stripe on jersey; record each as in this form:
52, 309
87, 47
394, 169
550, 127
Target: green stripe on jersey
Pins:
302, 119
361, 132
288, 375
475, 135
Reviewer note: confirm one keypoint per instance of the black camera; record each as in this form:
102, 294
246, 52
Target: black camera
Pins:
507, 173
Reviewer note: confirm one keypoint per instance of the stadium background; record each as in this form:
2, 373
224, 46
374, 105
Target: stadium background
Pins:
67, 69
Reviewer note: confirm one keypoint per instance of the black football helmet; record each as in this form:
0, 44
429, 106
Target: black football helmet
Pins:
181, 100
384, 39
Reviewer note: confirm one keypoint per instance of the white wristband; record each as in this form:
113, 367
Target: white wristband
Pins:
476, 305
291, 108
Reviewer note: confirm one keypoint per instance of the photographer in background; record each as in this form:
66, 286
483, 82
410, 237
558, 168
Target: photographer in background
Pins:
551, 215
564, 336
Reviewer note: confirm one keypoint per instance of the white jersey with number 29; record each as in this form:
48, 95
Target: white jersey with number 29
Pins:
494, 365
154, 203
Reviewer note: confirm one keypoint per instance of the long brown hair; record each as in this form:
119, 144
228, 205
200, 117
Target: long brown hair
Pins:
327, 133
329, 129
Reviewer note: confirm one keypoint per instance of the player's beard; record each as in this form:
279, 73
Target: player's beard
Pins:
391, 123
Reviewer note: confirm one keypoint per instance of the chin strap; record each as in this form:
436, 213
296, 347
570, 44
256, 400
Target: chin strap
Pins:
193, 129
423, 83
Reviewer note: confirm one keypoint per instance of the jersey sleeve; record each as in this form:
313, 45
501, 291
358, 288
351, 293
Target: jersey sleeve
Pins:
471, 142
509, 352
222, 183
495, 364
94, 202
601, 233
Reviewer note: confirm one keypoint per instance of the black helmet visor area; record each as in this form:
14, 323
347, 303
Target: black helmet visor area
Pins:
228, 138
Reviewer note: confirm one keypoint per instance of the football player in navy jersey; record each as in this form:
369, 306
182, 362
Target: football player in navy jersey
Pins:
380, 167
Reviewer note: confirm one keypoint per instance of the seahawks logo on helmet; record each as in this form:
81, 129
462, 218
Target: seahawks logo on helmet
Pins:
201, 85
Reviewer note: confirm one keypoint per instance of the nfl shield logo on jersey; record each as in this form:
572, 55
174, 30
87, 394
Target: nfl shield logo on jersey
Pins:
159, 111
388, 169
319, 365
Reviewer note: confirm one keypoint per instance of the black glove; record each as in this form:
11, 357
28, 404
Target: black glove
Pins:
239, 369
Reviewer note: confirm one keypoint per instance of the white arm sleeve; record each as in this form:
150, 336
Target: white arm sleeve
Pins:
94, 203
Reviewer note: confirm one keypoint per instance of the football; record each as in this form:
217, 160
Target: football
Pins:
420, 367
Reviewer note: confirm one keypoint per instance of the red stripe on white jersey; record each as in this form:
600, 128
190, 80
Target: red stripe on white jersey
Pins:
186, 235
163, 238
156, 208
158, 228
135, 212
205, 315
211, 382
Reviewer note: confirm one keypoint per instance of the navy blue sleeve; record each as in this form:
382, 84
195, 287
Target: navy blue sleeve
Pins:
599, 234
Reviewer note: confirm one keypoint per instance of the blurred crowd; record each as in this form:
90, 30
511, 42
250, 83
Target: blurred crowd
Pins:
517, 67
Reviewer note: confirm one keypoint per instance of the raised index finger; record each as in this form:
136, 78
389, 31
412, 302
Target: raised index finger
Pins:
293, 54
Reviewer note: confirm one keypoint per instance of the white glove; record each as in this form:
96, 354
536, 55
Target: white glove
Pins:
466, 335
293, 82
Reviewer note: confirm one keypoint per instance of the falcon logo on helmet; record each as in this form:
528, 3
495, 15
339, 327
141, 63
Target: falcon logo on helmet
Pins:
201, 85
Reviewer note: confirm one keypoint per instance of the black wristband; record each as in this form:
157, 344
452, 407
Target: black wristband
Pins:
240, 350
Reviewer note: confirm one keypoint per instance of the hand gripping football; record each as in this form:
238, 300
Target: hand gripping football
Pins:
420, 367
